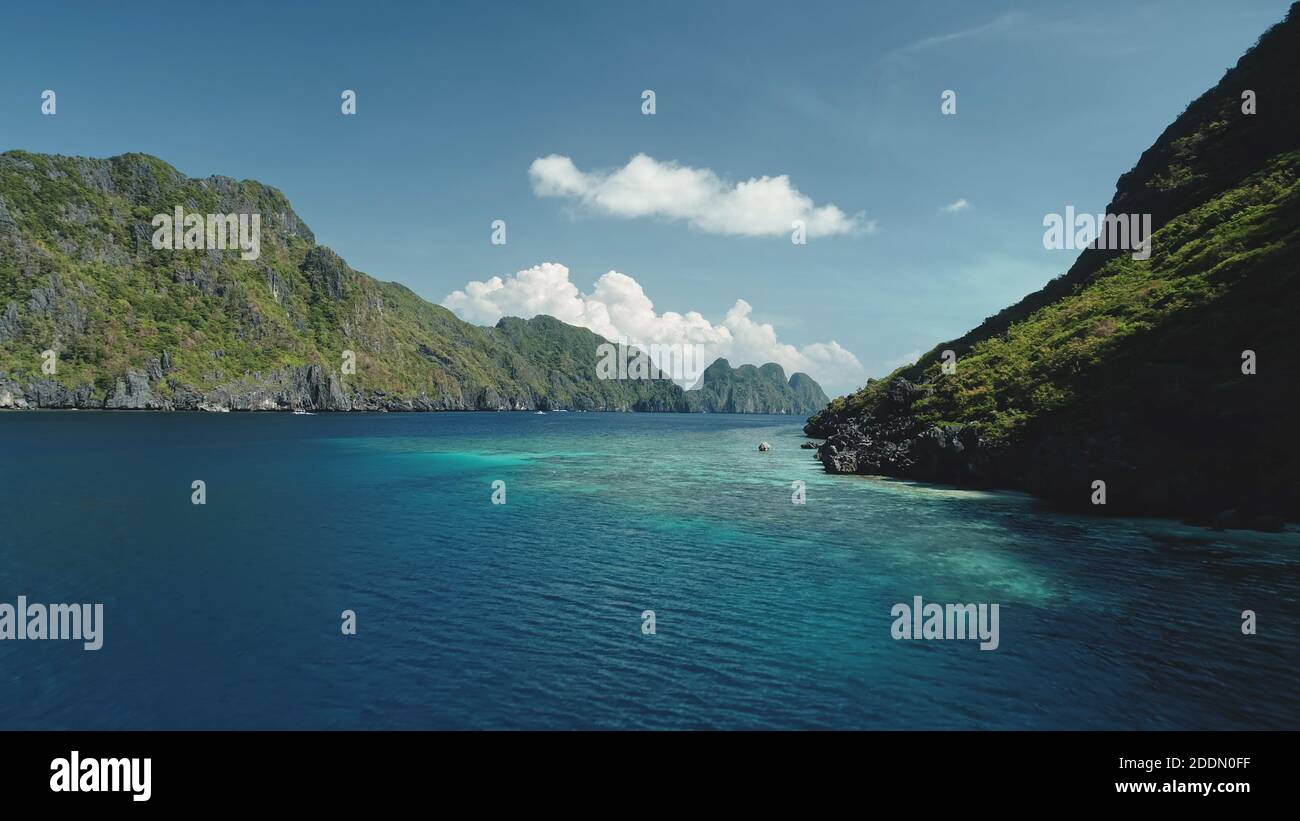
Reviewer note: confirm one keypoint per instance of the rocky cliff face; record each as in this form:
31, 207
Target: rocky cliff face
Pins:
1172, 379
129, 326
747, 389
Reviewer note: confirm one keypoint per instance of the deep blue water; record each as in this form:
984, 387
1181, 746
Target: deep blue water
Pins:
528, 614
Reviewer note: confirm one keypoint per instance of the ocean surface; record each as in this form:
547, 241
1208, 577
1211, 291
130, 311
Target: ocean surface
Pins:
528, 614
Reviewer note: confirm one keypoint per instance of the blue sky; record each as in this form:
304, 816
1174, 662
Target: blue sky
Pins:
457, 101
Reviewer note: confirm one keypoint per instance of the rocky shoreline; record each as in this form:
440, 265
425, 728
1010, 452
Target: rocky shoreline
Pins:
306, 387
891, 441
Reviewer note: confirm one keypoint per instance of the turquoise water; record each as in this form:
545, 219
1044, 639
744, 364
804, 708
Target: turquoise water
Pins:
528, 614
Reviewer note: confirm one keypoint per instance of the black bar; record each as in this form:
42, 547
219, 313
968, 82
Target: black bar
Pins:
331, 770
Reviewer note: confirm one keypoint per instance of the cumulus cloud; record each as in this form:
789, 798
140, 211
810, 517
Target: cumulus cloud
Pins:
956, 207
618, 309
646, 187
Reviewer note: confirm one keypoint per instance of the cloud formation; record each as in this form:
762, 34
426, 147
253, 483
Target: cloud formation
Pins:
618, 307
645, 187
956, 207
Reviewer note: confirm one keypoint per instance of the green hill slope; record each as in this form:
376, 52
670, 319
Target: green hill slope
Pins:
1131, 371
137, 327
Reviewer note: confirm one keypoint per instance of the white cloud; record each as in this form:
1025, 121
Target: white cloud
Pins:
956, 207
646, 187
617, 307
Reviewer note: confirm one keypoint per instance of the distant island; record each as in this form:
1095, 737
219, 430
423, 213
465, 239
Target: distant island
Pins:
95, 314
1171, 377
747, 389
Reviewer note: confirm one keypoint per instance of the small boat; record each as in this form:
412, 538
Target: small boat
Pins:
301, 412
540, 413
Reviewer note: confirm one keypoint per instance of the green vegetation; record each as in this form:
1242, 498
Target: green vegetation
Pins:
78, 274
1242, 243
1130, 371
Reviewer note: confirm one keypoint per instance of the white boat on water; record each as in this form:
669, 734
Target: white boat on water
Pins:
301, 412
540, 413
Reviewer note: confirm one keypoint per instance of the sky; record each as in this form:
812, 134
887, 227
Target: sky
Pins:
668, 226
